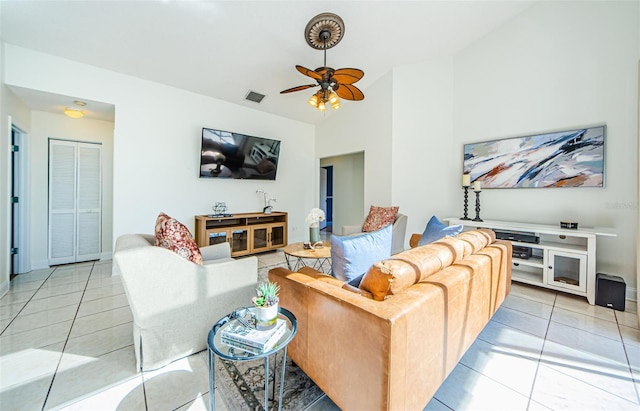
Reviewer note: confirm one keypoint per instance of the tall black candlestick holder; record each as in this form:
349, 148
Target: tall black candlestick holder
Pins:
466, 203
477, 207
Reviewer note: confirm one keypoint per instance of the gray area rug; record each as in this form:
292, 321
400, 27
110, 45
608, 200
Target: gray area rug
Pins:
241, 384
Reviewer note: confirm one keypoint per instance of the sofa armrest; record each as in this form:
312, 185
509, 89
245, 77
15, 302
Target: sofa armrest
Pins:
216, 251
351, 229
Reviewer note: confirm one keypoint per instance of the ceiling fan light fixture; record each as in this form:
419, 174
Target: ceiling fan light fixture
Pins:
314, 100
321, 106
333, 98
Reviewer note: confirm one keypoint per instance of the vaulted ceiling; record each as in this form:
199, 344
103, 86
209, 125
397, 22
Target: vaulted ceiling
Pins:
224, 49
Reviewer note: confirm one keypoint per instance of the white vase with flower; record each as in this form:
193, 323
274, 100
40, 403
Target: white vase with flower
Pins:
313, 219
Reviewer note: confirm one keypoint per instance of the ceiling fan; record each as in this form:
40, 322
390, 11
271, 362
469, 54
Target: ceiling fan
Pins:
323, 32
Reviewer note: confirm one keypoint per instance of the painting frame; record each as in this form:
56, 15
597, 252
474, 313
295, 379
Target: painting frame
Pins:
567, 158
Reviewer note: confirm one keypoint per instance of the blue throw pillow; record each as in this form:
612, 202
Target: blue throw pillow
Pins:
351, 256
436, 230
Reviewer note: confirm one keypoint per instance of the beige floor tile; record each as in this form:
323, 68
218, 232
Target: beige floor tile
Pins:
521, 321
559, 391
8, 312
628, 319
581, 305
529, 306
26, 322
586, 342
513, 369
587, 323
101, 342
102, 304
101, 321
466, 389
36, 338
29, 364
26, 285
127, 395
16, 297
630, 336
176, 384
52, 290
99, 281
531, 292
35, 275
27, 395
81, 379
58, 301
596, 370
68, 279
102, 292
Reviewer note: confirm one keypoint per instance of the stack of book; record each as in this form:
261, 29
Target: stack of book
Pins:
250, 339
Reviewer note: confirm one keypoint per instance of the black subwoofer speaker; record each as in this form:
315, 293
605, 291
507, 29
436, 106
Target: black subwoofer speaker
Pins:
610, 291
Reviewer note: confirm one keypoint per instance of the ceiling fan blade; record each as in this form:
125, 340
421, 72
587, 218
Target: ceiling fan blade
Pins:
347, 75
348, 92
309, 73
297, 88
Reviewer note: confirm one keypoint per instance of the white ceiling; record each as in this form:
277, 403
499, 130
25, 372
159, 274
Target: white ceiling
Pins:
223, 49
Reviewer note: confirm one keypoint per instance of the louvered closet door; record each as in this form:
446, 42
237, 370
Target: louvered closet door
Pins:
89, 215
74, 202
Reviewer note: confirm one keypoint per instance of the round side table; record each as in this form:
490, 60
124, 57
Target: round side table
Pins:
217, 348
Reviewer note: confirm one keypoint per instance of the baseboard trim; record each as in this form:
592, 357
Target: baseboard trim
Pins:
631, 294
39, 265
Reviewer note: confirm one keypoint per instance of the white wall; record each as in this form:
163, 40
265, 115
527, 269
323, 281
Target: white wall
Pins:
560, 65
363, 126
348, 189
426, 175
10, 108
156, 144
49, 125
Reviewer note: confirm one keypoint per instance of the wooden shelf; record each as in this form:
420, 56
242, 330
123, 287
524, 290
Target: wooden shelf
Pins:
247, 233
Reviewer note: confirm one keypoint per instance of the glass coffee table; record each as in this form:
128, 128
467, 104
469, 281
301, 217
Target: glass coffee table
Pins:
296, 256
226, 352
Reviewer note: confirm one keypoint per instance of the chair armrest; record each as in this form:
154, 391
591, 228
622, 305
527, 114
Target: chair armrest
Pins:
216, 251
351, 229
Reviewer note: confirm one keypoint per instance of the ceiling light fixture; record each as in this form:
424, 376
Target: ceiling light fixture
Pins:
75, 112
323, 32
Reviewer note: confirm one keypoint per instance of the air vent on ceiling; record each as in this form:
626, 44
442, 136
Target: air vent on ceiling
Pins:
255, 97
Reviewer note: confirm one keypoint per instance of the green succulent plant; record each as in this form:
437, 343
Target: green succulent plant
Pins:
267, 294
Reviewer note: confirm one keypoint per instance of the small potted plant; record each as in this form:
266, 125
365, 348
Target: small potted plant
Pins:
266, 303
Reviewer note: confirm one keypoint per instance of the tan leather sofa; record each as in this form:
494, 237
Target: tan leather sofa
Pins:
390, 344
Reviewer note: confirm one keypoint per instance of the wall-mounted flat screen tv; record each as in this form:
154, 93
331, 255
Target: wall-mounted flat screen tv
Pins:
225, 154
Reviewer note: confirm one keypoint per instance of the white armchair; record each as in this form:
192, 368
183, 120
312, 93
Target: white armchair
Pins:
399, 230
176, 302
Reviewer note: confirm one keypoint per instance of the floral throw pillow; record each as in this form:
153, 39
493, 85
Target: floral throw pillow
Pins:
379, 217
173, 235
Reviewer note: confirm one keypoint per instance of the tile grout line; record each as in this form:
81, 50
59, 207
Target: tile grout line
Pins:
539, 362
626, 354
28, 301
46, 398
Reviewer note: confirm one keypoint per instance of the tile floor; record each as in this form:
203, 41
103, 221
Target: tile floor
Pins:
65, 343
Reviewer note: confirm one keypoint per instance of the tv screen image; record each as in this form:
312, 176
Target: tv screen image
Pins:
225, 154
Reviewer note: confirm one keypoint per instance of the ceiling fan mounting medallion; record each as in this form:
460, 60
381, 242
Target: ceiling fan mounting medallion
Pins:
323, 32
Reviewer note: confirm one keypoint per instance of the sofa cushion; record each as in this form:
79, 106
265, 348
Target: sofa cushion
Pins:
436, 230
173, 235
395, 274
379, 217
352, 256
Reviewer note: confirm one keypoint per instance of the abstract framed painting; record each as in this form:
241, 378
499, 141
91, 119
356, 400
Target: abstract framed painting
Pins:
573, 158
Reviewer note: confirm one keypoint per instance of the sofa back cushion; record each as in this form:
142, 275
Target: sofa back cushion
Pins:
351, 256
395, 274
173, 235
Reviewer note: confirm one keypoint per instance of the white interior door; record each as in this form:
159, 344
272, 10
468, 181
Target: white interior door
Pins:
74, 201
